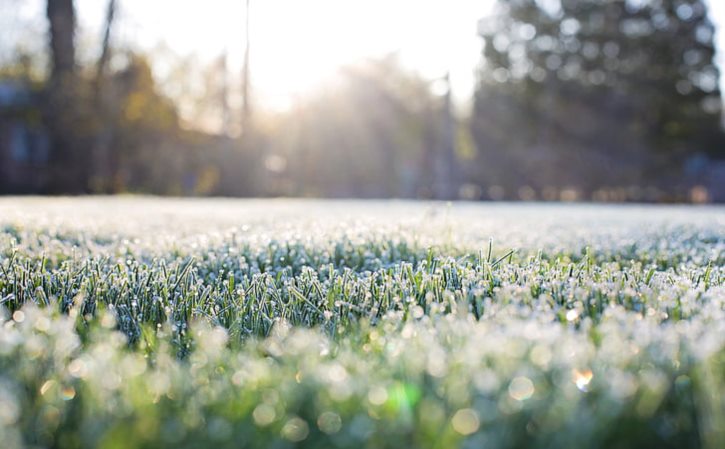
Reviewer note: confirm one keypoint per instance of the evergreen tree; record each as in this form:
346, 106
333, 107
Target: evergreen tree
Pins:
596, 93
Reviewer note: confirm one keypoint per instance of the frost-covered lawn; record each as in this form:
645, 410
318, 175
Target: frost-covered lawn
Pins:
148, 323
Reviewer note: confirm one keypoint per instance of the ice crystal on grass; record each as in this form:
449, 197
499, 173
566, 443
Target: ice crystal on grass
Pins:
138, 322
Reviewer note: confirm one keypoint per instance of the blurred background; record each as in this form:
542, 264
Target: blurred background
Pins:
569, 100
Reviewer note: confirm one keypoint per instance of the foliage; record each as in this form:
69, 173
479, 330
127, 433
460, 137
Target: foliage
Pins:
586, 99
602, 93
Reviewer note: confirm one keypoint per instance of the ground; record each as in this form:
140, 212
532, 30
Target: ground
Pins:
149, 323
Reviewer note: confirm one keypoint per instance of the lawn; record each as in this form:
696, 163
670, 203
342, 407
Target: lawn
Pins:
148, 323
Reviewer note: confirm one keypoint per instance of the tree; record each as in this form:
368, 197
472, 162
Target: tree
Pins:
143, 157
375, 131
101, 180
62, 107
596, 93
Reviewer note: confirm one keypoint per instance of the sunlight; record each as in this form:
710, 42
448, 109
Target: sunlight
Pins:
297, 46
582, 378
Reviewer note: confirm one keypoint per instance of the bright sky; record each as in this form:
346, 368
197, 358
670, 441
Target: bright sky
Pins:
296, 44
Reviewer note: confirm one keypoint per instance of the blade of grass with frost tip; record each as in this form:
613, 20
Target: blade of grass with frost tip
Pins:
502, 258
182, 274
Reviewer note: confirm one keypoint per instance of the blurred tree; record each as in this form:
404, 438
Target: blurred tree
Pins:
151, 152
146, 125
101, 180
111, 128
595, 93
62, 23
63, 108
372, 132
246, 114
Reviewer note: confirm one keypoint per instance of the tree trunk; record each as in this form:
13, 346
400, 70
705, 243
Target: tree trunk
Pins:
61, 109
61, 17
104, 170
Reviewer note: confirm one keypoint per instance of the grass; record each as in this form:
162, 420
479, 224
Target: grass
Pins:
145, 323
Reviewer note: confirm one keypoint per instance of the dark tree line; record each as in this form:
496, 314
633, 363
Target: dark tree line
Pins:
575, 99
111, 131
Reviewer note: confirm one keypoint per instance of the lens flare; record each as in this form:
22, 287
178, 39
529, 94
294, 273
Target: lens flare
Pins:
582, 378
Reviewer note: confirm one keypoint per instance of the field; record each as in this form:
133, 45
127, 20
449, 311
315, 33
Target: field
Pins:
148, 323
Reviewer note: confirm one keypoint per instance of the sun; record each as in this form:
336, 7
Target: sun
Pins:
297, 45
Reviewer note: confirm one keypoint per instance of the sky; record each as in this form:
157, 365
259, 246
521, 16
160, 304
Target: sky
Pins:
296, 45
299, 44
